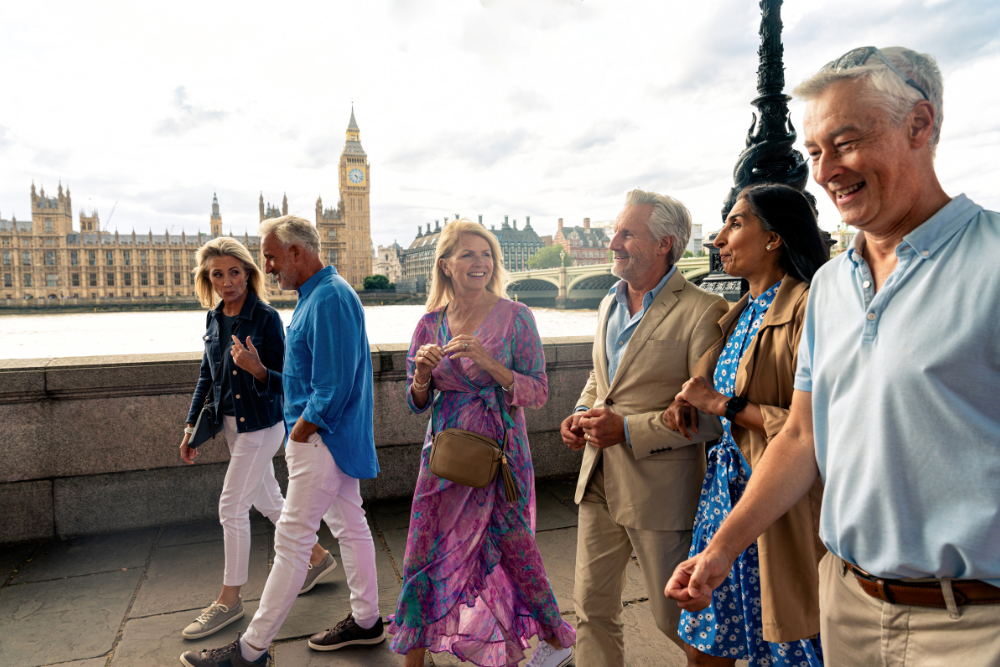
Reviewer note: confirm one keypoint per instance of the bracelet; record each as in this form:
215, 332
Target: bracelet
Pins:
420, 387
189, 430
510, 388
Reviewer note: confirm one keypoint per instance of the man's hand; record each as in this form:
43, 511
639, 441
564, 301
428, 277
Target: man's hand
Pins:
302, 430
571, 432
694, 580
603, 428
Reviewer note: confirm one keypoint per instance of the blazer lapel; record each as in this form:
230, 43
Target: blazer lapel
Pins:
601, 368
658, 310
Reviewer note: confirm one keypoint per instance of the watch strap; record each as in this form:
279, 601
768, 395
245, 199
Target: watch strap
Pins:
735, 405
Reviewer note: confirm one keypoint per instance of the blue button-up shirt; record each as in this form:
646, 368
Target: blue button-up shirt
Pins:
621, 326
327, 378
905, 389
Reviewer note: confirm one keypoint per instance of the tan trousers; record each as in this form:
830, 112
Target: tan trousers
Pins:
603, 551
859, 631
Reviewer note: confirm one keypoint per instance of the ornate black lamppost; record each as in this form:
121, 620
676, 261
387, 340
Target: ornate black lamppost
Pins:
769, 156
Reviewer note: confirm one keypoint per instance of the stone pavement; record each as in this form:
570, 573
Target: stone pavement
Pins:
121, 600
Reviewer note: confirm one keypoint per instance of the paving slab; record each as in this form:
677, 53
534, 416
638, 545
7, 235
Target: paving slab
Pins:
550, 513
203, 531
392, 514
558, 549
155, 641
93, 662
298, 654
396, 541
88, 555
11, 556
563, 489
83, 614
190, 577
645, 645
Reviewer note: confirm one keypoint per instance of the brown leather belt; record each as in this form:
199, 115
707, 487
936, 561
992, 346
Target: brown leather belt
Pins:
925, 594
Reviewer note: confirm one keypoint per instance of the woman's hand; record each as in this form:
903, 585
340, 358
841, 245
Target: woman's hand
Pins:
700, 393
427, 359
469, 347
188, 453
248, 359
680, 416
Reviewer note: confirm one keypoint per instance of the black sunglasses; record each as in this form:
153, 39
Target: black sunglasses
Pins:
859, 56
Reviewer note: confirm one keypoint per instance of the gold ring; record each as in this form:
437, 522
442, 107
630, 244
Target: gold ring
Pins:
465, 347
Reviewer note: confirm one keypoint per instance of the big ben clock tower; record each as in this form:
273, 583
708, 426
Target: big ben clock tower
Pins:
355, 186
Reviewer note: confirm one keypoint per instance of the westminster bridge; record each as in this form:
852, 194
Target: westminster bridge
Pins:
582, 286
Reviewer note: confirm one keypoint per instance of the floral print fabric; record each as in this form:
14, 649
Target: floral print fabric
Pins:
731, 625
473, 580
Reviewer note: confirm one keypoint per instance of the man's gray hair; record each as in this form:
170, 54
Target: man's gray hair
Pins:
291, 229
669, 218
886, 89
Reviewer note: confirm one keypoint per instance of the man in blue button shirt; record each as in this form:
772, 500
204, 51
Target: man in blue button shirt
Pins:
896, 392
327, 386
639, 482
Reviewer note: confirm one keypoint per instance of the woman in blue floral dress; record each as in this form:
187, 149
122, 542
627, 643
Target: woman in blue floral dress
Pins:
760, 613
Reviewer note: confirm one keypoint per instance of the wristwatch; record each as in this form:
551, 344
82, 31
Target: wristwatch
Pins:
734, 405
189, 430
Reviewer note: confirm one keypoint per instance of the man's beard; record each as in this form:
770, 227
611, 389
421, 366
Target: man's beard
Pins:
636, 266
288, 278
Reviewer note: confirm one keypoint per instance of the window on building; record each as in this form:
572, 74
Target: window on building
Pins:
6, 258
160, 279
51, 279
177, 280
109, 258
110, 279
333, 233
50, 242
27, 280
75, 277
177, 257
127, 257
5, 241
144, 280
159, 258
142, 257
91, 258
93, 280
50, 258
26, 258
74, 258
127, 277
192, 258
48, 225
8, 280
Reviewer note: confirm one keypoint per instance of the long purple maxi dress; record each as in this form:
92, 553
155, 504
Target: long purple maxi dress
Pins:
473, 581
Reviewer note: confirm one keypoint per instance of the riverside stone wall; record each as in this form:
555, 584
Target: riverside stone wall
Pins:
90, 444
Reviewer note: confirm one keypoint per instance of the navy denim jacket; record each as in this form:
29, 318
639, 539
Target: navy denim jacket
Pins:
263, 325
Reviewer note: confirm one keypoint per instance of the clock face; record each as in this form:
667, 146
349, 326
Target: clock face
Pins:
356, 175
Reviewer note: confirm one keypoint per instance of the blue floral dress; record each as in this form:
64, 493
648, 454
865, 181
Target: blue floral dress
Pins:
731, 626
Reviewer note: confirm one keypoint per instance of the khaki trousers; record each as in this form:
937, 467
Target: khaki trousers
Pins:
603, 551
859, 631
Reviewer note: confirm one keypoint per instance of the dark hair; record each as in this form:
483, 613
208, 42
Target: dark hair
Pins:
791, 214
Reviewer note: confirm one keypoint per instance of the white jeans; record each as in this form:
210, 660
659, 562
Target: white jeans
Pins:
317, 489
249, 481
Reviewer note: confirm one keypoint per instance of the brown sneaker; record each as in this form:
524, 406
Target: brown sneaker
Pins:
225, 656
347, 633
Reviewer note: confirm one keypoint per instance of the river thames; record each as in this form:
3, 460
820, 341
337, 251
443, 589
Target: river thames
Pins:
90, 334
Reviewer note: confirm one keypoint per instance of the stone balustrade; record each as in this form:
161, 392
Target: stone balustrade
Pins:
90, 444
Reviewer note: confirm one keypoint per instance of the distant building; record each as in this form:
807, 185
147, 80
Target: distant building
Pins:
418, 259
546, 240
843, 237
587, 245
697, 239
518, 245
387, 263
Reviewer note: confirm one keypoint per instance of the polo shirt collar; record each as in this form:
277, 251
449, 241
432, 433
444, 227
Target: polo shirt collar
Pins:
314, 280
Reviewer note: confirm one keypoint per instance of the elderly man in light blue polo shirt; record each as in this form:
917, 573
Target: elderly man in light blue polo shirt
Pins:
897, 393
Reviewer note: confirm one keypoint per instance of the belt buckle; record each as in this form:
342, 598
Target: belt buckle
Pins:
883, 591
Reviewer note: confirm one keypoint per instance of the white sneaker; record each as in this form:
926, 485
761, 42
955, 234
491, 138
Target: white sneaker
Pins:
546, 656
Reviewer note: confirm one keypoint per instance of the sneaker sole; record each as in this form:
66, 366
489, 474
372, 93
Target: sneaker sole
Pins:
318, 577
212, 631
356, 642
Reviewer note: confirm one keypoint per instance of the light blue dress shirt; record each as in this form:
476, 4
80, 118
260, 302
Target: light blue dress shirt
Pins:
621, 326
905, 389
327, 376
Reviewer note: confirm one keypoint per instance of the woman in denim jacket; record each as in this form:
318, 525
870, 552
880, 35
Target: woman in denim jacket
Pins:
252, 422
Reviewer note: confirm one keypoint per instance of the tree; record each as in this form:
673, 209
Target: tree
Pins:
688, 253
548, 258
377, 282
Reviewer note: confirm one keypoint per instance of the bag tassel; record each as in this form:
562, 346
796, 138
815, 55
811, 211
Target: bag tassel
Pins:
509, 488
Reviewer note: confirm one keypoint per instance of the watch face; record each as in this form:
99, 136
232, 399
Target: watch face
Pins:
355, 175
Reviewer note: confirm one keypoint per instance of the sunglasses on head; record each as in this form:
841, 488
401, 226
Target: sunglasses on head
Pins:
859, 56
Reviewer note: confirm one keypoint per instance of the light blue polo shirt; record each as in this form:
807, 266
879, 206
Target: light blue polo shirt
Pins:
906, 401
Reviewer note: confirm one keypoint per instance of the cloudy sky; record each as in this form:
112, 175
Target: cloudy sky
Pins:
538, 107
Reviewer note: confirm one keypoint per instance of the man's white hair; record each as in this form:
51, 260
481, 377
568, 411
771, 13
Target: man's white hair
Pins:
291, 229
669, 218
886, 89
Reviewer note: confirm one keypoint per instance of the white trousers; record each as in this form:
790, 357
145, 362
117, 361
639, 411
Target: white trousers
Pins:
249, 481
317, 489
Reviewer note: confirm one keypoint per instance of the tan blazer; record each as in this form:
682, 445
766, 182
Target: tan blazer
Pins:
654, 484
790, 549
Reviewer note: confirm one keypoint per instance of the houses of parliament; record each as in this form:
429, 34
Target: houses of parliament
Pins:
46, 257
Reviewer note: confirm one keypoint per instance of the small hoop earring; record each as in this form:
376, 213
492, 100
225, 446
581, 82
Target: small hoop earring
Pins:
768, 246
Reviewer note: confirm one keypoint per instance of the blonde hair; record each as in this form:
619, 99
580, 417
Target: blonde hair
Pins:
447, 242
225, 246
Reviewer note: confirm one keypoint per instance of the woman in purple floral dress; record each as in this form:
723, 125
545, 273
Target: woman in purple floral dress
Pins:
473, 580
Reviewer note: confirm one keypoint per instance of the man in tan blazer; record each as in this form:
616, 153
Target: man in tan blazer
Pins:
640, 482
